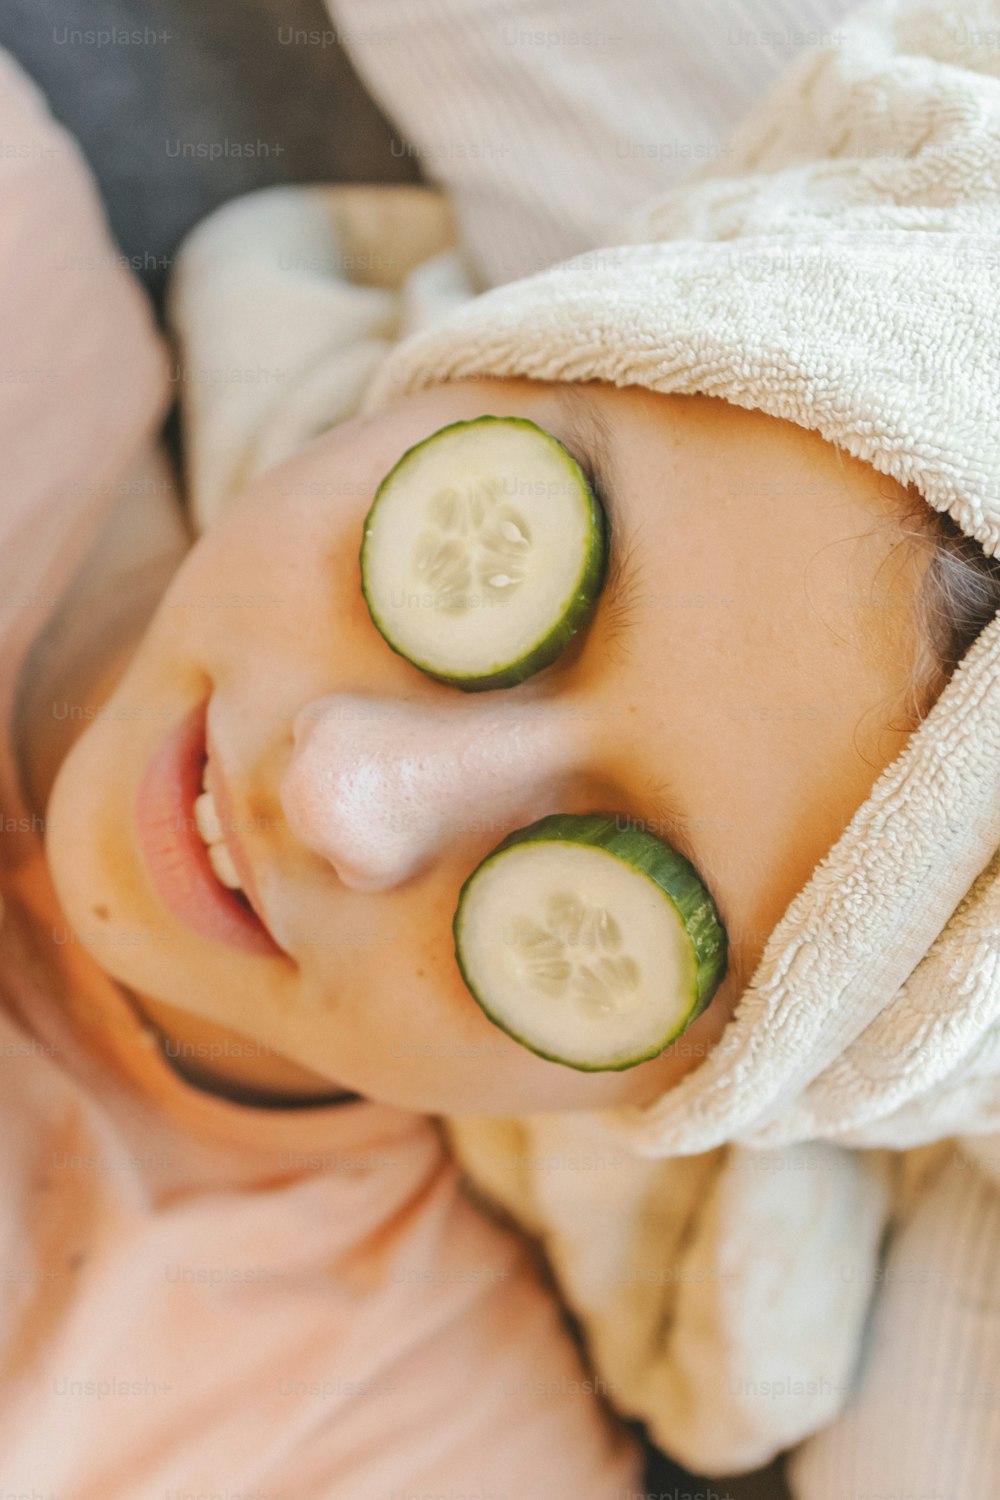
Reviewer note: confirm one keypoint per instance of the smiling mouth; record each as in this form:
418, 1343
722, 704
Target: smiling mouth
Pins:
213, 835
190, 845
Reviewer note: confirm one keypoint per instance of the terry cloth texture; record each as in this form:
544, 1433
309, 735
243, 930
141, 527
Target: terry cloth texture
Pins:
838, 267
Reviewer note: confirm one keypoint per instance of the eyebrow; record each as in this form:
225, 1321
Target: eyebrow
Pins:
590, 436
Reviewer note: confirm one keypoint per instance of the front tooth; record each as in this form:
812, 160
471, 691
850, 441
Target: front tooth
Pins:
207, 818
221, 861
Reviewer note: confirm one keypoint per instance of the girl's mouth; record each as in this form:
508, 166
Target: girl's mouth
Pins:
190, 845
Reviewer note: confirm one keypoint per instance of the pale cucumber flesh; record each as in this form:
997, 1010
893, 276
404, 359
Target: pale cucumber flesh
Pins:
591, 944
484, 552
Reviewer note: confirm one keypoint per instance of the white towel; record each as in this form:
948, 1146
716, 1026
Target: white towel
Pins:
856, 291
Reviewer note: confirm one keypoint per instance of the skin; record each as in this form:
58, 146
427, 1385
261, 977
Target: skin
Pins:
760, 660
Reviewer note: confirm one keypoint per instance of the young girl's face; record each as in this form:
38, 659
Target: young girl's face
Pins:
730, 693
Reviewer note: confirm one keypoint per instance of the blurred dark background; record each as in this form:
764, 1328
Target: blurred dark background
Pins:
229, 72
202, 73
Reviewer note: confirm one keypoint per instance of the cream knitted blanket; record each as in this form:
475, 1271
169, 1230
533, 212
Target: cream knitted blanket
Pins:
839, 268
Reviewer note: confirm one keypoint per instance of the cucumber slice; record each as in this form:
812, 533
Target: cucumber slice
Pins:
592, 945
484, 551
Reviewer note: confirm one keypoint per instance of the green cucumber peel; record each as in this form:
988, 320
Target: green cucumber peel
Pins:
705, 946
569, 612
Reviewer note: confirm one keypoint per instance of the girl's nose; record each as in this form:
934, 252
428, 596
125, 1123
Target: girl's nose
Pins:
377, 786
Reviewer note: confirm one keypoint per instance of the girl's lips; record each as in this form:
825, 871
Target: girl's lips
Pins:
174, 852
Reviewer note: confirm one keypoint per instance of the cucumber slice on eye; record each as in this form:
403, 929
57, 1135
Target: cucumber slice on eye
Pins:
591, 944
484, 551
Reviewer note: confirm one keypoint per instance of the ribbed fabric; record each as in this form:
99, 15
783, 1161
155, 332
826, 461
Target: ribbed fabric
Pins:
924, 1420
543, 141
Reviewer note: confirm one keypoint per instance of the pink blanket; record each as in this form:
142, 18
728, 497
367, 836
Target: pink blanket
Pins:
204, 1296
